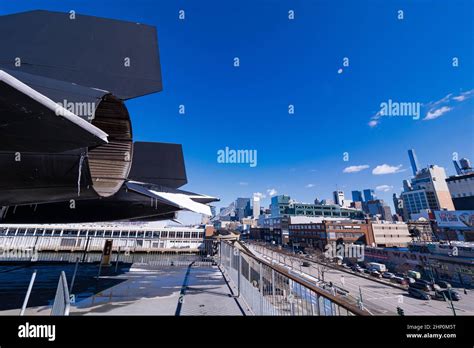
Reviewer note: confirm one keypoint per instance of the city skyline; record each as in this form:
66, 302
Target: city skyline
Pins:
301, 62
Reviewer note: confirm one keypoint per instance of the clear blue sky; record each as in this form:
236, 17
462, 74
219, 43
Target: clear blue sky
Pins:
296, 62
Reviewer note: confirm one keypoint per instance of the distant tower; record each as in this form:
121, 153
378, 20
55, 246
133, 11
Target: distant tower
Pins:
456, 166
369, 195
414, 161
338, 197
407, 186
357, 196
256, 206
465, 164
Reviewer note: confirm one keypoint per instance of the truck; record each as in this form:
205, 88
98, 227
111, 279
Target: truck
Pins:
379, 267
414, 274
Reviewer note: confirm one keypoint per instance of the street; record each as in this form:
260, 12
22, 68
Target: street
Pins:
378, 298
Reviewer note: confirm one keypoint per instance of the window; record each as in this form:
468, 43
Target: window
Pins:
29, 232
140, 234
164, 234
107, 233
116, 234
148, 234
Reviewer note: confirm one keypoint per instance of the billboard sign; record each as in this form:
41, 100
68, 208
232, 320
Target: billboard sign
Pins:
461, 219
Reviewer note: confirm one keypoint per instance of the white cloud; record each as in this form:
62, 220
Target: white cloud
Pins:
463, 96
272, 192
355, 169
243, 183
373, 123
433, 109
309, 185
435, 113
384, 188
387, 169
259, 195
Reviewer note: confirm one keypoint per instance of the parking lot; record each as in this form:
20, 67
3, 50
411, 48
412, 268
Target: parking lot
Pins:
377, 297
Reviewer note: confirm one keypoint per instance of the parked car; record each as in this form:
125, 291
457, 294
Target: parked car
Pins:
365, 270
375, 274
417, 293
443, 284
410, 280
451, 294
436, 287
357, 269
399, 280
388, 275
305, 264
345, 265
420, 286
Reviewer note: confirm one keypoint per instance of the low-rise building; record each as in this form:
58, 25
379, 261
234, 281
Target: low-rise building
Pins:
422, 230
390, 234
321, 231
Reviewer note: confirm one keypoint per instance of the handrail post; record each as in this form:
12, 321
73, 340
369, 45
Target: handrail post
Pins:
74, 275
261, 288
28, 292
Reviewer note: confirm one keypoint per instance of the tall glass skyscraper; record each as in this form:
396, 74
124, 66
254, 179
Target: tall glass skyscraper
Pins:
415, 167
369, 195
357, 196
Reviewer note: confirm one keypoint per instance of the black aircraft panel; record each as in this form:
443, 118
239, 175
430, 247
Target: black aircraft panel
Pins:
27, 125
116, 56
158, 163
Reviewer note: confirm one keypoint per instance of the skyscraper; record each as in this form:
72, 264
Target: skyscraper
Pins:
256, 206
338, 197
428, 190
242, 208
398, 204
369, 195
357, 196
413, 161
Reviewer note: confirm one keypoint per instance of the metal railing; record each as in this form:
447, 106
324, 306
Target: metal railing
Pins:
268, 289
90, 250
61, 302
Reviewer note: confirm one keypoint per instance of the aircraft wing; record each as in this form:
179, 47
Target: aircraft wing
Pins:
180, 199
32, 122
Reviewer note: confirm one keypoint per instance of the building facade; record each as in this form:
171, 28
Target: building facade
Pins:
388, 234
461, 188
318, 233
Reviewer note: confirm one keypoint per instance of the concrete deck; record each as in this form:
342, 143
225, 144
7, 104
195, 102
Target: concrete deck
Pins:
165, 291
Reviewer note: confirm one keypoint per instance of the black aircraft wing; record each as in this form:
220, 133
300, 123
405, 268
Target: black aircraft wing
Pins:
112, 55
32, 122
159, 164
180, 199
